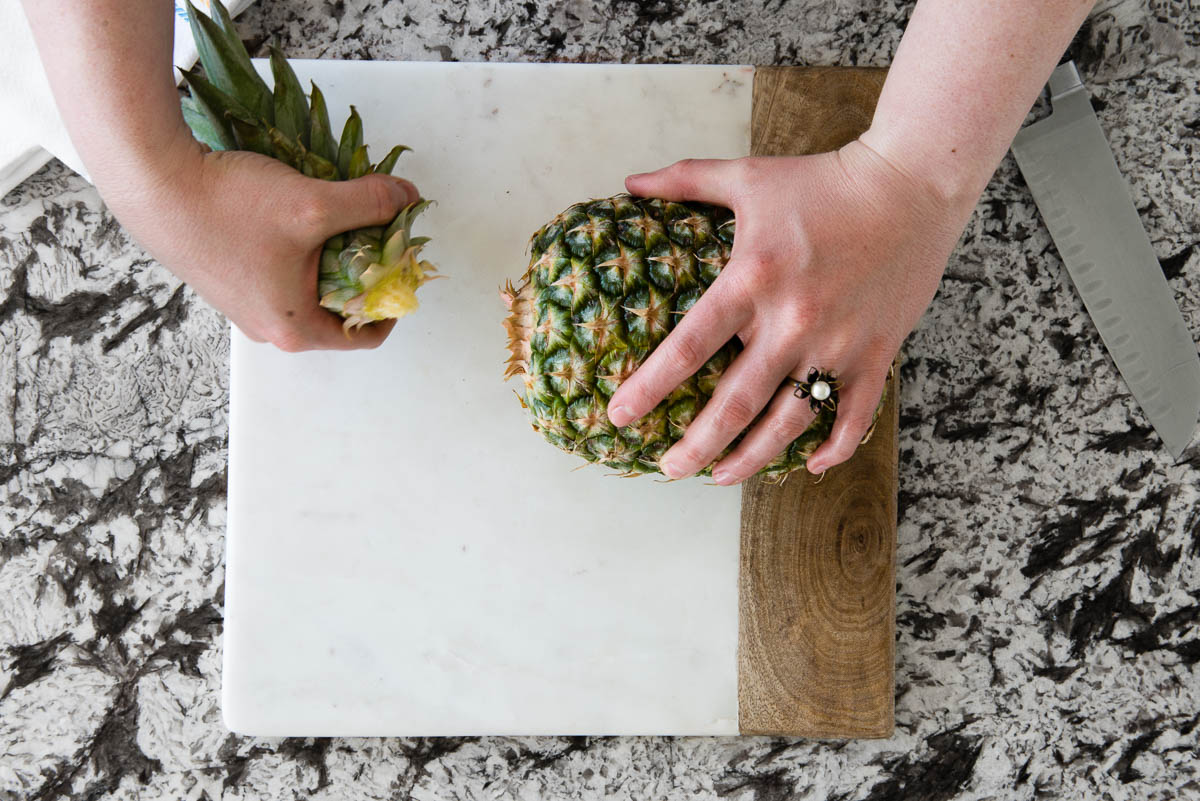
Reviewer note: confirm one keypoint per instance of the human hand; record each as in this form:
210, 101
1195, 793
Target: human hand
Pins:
246, 231
836, 257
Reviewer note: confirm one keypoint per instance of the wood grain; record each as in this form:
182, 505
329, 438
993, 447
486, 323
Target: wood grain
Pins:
817, 582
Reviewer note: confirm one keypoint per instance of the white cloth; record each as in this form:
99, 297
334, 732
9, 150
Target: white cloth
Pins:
32, 130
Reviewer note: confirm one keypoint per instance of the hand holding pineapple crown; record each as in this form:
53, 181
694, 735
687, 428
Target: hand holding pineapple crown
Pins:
366, 275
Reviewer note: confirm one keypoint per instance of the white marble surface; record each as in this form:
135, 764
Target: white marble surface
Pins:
406, 557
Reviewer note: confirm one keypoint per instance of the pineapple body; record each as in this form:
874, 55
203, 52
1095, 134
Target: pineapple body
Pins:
607, 282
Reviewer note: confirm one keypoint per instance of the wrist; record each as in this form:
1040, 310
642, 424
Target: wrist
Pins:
148, 173
949, 176
907, 205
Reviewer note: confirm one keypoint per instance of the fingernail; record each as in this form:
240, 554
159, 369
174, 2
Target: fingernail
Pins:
722, 476
637, 175
815, 467
670, 469
411, 195
620, 415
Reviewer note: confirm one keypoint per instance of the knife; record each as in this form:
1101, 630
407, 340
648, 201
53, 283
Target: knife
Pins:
1086, 205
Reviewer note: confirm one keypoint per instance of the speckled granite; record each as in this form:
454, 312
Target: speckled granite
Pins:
1049, 552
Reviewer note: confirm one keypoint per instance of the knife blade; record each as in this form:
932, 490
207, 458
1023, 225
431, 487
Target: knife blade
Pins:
1086, 205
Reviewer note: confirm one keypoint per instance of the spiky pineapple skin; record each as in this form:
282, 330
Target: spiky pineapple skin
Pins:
608, 280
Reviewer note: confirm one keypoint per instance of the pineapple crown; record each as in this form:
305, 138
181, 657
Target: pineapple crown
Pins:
375, 272
232, 108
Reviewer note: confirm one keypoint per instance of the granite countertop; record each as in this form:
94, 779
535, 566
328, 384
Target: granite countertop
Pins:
1049, 551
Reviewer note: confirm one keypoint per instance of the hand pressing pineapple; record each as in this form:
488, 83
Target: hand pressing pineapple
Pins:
608, 282
782, 361
366, 275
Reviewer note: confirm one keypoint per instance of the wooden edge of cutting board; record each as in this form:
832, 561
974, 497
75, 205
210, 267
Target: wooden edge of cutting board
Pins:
816, 634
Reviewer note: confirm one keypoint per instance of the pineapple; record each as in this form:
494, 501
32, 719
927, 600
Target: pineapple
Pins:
365, 275
607, 281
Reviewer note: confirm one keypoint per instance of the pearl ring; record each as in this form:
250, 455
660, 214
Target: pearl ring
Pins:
820, 390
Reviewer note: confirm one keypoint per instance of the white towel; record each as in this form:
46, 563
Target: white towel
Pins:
32, 130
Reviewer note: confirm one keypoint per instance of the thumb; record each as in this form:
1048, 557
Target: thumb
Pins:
373, 199
705, 180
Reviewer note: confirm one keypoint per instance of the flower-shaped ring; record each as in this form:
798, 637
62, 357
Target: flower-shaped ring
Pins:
820, 389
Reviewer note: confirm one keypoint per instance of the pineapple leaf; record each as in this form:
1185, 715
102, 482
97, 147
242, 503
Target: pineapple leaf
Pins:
228, 65
206, 125
216, 98
389, 161
360, 163
317, 166
330, 263
404, 220
291, 109
395, 248
320, 133
338, 296
250, 136
287, 149
247, 132
220, 15
352, 139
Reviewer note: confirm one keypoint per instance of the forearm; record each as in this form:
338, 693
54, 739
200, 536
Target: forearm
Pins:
964, 77
109, 66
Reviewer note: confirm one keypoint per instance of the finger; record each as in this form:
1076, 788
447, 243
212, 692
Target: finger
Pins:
329, 333
323, 330
371, 200
743, 391
705, 180
857, 400
787, 418
705, 328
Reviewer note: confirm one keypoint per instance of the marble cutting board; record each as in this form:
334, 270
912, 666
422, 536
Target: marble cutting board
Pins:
405, 556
